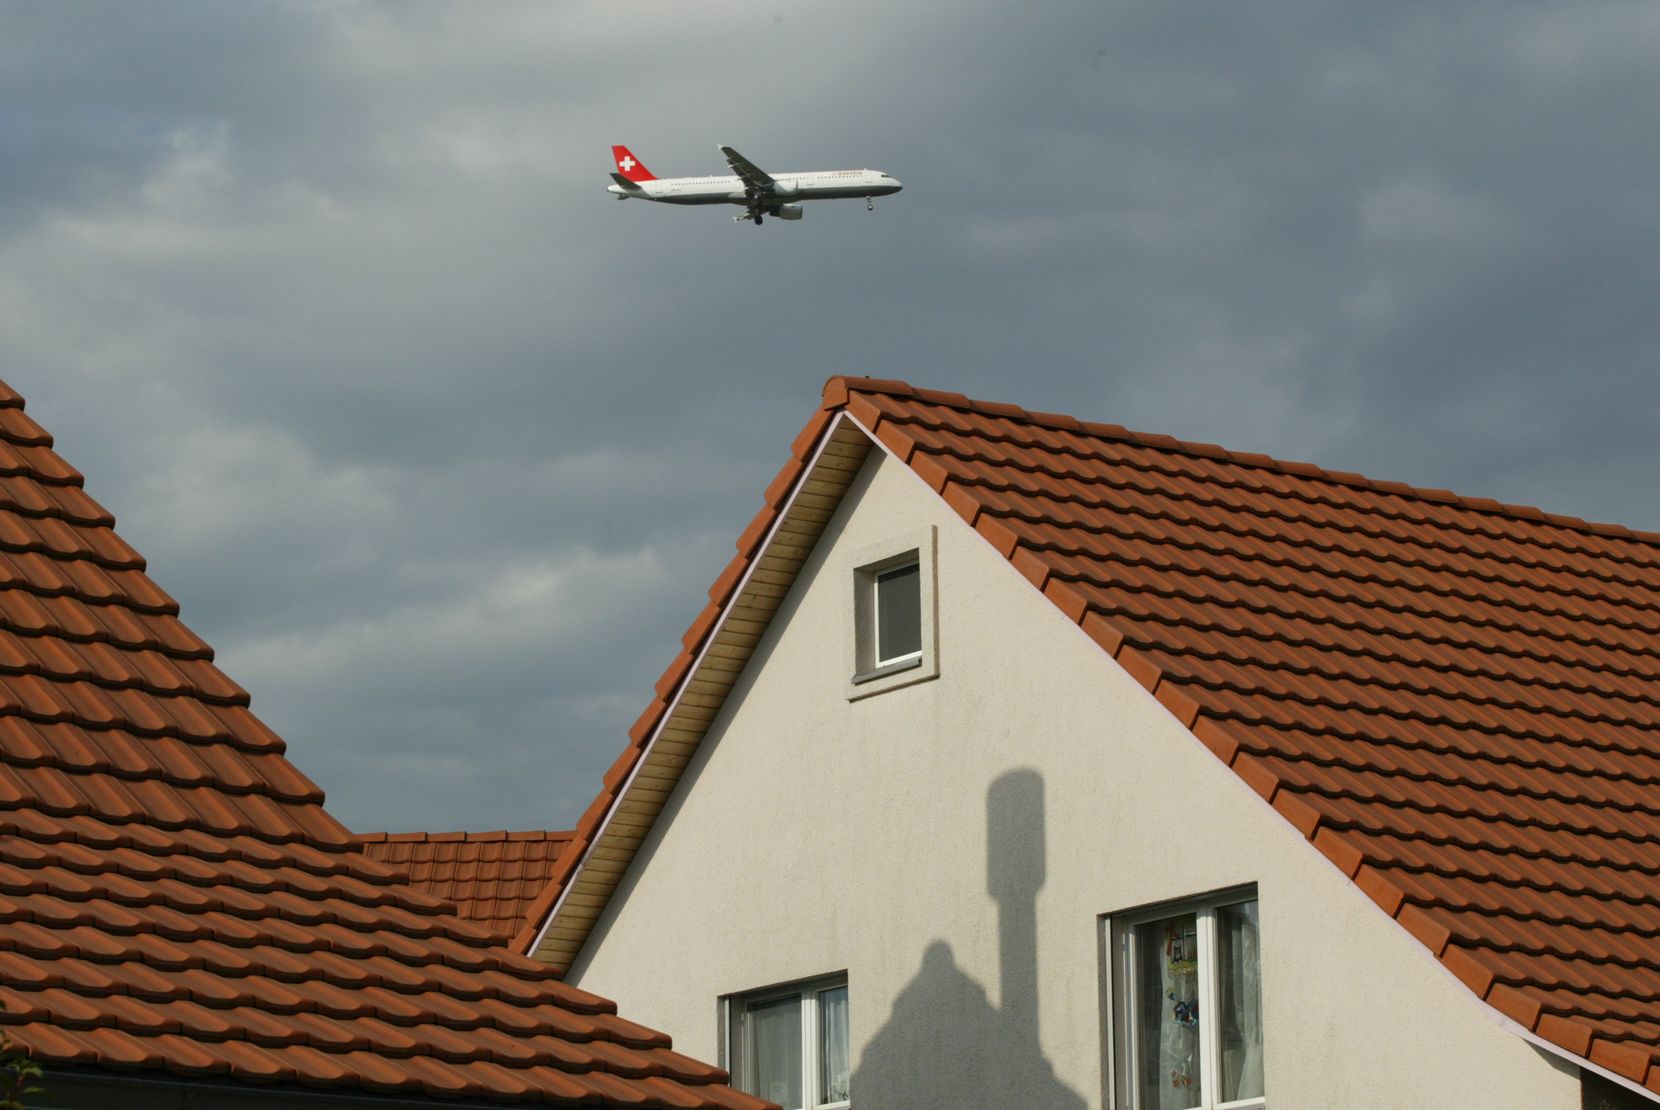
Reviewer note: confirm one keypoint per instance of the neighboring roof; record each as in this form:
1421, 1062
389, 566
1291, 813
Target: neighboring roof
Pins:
1453, 699
174, 900
490, 877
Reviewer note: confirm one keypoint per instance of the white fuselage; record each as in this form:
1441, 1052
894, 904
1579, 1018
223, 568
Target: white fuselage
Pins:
818, 185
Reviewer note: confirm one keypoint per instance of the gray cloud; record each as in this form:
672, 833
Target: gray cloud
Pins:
440, 446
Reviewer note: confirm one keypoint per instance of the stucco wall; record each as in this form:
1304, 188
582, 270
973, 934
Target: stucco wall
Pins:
813, 834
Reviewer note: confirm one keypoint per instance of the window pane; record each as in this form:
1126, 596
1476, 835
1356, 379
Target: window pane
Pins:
1239, 991
1167, 1013
898, 613
773, 1051
832, 1045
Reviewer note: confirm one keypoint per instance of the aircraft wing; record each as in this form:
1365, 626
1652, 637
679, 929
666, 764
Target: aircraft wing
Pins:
754, 177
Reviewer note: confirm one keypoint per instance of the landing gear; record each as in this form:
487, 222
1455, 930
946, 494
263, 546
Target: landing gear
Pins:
757, 219
870, 205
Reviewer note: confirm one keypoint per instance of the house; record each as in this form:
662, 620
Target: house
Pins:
182, 924
1060, 766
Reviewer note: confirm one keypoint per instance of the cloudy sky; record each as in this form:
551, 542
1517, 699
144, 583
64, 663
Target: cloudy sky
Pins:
440, 446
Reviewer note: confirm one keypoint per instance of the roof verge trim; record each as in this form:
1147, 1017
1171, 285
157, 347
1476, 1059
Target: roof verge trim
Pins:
732, 594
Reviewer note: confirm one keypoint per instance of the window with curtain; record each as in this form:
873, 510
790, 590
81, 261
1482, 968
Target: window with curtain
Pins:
1187, 1006
790, 1044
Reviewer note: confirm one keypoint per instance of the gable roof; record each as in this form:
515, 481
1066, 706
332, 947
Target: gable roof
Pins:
1453, 699
174, 899
490, 877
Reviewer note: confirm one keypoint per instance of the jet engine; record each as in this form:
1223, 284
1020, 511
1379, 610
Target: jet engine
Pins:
789, 212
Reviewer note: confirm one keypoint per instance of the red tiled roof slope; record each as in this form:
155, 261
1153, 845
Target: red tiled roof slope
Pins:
174, 898
1453, 699
490, 877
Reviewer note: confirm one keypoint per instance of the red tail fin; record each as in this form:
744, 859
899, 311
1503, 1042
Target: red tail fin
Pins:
630, 166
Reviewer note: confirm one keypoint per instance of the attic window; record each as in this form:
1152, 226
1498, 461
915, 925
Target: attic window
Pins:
892, 609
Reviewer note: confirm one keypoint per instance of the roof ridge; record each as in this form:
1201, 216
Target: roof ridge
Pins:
463, 836
840, 388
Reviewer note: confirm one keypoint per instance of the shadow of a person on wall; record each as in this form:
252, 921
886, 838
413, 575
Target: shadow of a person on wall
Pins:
944, 1044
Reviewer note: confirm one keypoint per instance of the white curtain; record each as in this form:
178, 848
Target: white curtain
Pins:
774, 1042
1240, 991
834, 1064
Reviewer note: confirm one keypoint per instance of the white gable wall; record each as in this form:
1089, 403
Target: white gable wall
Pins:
814, 835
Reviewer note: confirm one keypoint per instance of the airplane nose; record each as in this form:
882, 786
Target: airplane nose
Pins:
894, 181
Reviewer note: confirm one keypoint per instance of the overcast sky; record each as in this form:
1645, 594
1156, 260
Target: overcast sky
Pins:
440, 446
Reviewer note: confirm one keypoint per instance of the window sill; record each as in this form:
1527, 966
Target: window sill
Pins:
899, 666
907, 672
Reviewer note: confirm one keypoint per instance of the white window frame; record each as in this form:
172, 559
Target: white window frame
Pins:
1119, 1004
879, 661
871, 675
807, 990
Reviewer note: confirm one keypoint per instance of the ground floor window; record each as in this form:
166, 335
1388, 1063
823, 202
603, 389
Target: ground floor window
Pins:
789, 1044
1186, 985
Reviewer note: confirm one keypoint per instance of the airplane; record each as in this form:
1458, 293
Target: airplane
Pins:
760, 193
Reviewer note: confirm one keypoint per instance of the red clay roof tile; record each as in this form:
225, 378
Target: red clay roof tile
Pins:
173, 897
491, 877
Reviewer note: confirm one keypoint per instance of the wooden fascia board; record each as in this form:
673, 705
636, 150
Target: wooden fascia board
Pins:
731, 640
